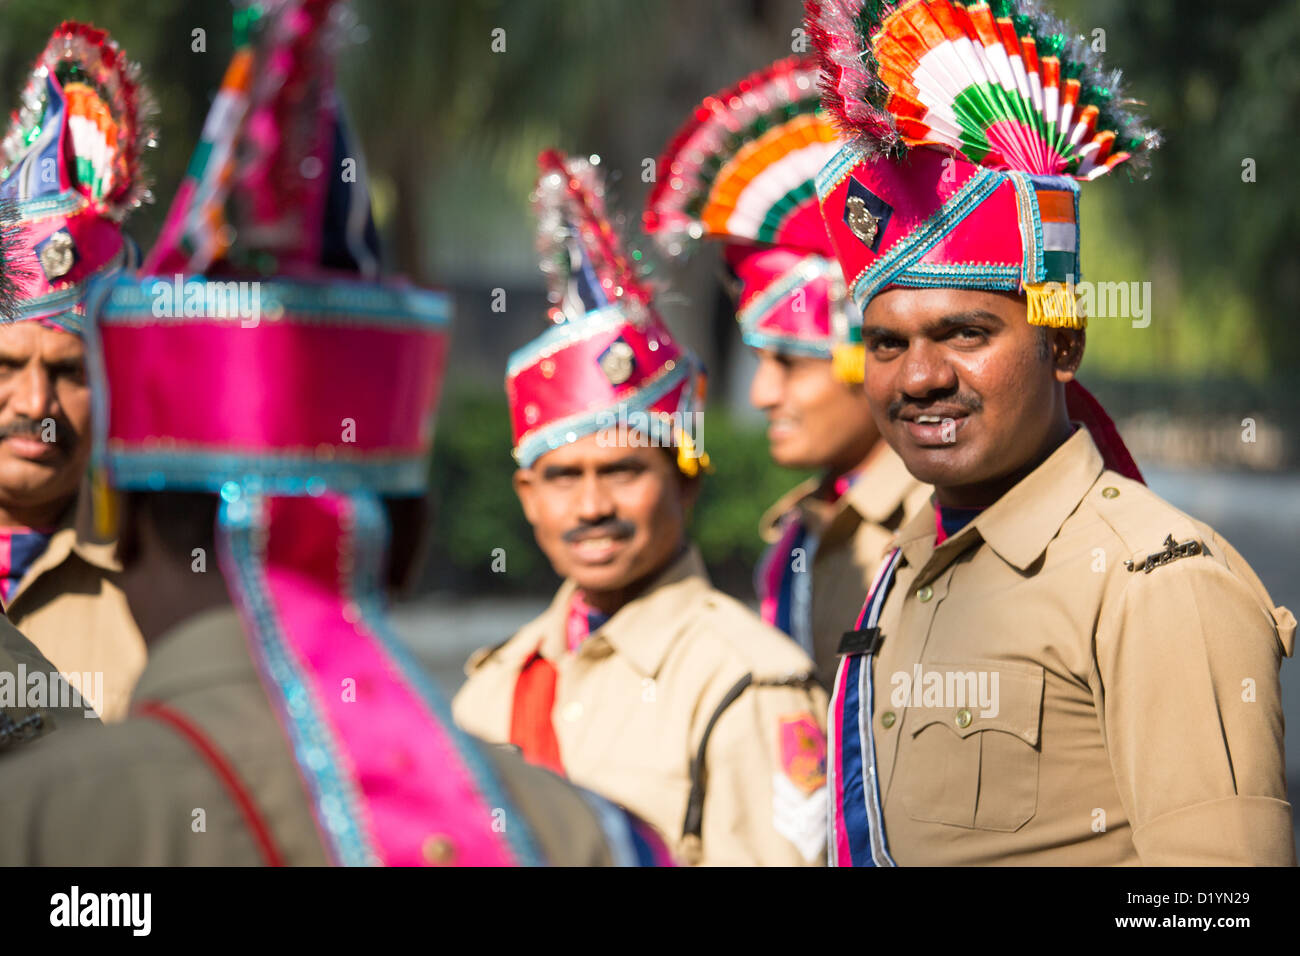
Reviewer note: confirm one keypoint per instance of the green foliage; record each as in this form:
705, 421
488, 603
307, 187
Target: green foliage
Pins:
477, 511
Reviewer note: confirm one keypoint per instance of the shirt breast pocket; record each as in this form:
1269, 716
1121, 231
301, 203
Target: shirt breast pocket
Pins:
974, 762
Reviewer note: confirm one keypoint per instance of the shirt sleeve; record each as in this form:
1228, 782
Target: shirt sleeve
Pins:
1192, 715
765, 785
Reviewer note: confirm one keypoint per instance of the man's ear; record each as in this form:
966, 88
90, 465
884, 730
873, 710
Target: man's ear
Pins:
526, 487
690, 488
1067, 352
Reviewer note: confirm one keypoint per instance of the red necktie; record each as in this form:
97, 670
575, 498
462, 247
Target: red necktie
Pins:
531, 729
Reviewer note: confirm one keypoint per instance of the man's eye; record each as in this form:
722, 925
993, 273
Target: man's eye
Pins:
887, 345
970, 334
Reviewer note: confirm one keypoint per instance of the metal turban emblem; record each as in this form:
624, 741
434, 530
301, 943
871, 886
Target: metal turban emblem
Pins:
863, 224
58, 255
617, 362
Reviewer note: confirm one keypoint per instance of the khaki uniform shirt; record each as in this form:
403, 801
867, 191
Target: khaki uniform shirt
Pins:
631, 707
137, 792
850, 545
1135, 718
70, 606
29, 708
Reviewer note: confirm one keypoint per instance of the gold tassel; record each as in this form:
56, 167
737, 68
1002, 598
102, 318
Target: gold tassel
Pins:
1054, 305
689, 462
104, 503
848, 362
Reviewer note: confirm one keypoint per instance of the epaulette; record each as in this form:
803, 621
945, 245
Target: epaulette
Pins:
482, 655
13, 732
1172, 551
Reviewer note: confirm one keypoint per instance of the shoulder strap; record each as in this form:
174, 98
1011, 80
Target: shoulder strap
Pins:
693, 826
694, 823
224, 771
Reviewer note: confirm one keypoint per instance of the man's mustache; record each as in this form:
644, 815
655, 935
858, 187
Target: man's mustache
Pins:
23, 427
967, 401
609, 528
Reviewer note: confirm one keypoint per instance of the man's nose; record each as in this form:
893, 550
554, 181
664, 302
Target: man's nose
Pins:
926, 370
594, 500
31, 393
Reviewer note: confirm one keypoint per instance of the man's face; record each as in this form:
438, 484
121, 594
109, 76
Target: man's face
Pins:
44, 414
814, 420
961, 385
606, 516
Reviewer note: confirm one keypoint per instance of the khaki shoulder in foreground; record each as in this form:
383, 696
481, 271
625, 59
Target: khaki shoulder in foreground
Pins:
70, 606
34, 697
201, 774
840, 553
1120, 693
634, 703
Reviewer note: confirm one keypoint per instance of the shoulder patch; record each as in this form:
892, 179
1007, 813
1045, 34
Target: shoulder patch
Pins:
1172, 551
803, 751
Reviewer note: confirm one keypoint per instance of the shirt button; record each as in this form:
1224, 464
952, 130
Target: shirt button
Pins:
572, 711
438, 850
887, 719
963, 718
1110, 492
924, 594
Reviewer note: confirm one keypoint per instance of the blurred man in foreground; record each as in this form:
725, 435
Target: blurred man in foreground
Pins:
272, 501
640, 680
742, 171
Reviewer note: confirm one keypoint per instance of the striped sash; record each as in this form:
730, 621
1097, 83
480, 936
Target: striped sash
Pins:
856, 822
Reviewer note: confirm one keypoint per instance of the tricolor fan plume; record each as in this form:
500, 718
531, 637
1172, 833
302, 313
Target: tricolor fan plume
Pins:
742, 167
110, 117
1003, 84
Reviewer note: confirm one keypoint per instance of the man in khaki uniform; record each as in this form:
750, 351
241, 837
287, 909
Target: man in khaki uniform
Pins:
58, 577
278, 720
744, 167
1054, 666
640, 681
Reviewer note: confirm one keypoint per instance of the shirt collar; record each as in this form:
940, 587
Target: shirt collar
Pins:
878, 493
1022, 523
642, 631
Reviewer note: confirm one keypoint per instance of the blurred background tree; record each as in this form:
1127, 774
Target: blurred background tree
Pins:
454, 98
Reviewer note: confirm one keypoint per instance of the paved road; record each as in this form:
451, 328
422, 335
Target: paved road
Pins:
1259, 514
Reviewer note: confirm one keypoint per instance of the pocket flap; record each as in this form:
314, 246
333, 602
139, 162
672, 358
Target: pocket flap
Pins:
971, 696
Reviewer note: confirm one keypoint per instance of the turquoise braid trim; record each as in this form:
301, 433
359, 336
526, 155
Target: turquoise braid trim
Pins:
926, 275
560, 433
62, 204
909, 250
565, 334
368, 594
351, 303
833, 173
787, 344
1031, 229
272, 474
806, 270
336, 802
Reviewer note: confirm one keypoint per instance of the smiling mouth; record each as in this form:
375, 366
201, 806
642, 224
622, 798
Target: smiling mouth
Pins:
31, 447
935, 431
597, 550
